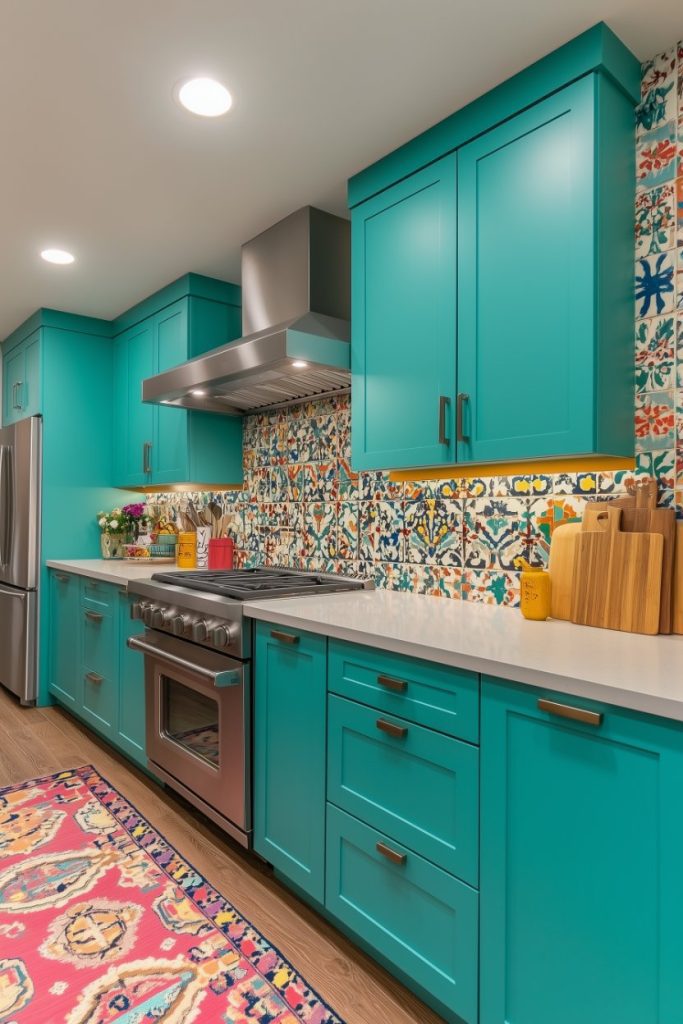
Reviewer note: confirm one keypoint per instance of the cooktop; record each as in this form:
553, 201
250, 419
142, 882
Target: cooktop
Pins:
251, 584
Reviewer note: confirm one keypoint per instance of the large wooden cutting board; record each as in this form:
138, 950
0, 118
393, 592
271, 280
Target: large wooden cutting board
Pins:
640, 515
617, 577
561, 569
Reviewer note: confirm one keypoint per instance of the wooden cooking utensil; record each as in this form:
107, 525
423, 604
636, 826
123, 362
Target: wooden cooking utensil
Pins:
617, 577
561, 569
639, 514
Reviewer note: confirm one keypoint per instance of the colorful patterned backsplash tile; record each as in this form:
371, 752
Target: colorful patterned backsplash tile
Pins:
303, 506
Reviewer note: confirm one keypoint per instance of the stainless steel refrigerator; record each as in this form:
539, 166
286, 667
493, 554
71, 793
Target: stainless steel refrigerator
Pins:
20, 506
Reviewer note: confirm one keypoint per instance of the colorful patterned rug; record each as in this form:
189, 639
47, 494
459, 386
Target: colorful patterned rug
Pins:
103, 922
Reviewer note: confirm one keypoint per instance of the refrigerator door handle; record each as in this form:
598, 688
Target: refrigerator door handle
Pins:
6, 505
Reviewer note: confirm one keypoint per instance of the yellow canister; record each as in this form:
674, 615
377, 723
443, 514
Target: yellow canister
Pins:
187, 551
534, 598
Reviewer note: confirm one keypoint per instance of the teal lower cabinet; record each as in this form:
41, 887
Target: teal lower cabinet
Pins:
581, 854
419, 785
91, 671
420, 919
290, 712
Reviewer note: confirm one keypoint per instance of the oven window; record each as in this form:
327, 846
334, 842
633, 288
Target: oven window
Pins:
191, 720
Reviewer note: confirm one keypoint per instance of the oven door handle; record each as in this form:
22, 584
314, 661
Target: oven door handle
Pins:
208, 672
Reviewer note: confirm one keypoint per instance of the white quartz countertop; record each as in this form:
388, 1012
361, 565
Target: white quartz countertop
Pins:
111, 570
625, 669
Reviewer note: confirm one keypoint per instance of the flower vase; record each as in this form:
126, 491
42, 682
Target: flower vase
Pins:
105, 545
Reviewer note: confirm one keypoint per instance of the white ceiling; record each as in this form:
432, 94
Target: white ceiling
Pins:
96, 157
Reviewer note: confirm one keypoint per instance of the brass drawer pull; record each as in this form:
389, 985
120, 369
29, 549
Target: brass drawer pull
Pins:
397, 685
399, 731
392, 855
62, 578
93, 677
286, 638
94, 616
567, 711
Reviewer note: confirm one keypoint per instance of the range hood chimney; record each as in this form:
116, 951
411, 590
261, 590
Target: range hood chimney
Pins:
295, 323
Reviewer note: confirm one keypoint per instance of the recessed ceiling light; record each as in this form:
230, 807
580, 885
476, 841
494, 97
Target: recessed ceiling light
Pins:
204, 96
299, 364
198, 392
60, 256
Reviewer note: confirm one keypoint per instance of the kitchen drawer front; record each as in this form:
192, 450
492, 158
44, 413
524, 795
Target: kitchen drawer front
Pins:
416, 785
415, 915
100, 700
97, 594
100, 648
433, 695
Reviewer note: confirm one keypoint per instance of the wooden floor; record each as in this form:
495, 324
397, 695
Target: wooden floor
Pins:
37, 742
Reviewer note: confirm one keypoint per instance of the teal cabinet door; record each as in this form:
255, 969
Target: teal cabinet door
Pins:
13, 374
65, 676
130, 736
527, 283
404, 322
289, 754
136, 354
418, 918
100, 660
581, 853
170, 457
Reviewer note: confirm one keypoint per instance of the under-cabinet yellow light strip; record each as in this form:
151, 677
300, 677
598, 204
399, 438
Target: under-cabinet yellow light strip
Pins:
580, 464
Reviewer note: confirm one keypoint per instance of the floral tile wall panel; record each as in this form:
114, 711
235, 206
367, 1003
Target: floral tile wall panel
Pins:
656, 218
434, 531
655, 353
656, 161
655, 288
302, 504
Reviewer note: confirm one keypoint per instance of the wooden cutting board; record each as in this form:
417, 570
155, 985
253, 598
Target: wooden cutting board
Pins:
677, 623
617, 577
640, 515
561, 569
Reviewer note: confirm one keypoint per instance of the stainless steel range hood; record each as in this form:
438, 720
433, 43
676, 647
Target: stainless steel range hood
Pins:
295, 320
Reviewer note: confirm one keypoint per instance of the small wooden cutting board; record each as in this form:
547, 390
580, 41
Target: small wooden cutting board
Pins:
617, 576
561, 569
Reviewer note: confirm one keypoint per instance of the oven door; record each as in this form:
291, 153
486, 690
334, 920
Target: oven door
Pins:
198, 727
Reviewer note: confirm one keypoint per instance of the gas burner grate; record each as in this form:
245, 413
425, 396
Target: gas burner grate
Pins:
251, 584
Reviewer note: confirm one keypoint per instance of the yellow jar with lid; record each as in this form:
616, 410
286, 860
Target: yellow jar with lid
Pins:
534, 591
187, 551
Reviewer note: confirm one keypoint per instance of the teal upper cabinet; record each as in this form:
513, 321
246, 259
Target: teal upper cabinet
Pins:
21, 379
581, 850
518, 347
403, 344
154, 446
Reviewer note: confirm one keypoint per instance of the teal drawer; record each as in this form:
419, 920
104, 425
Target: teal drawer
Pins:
100, 641
97, 593
416, 916
100, 697
412, 783
433, 695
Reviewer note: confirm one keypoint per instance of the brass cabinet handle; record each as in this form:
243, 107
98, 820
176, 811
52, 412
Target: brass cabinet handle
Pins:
147, 457
444, 402
567, 711
399, 731
286, 638
392, 855
62, 578
94, 616
93, 677
397, 685
461, 401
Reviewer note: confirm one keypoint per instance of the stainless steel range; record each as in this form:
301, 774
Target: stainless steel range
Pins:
198, 650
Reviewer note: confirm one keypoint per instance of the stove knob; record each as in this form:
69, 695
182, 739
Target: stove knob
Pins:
179, 624
156, 619
137, 610
200, 631
147, 614
220, 636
